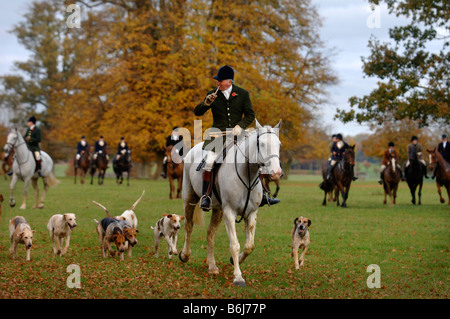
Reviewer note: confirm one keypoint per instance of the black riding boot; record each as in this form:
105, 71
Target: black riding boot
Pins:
329, 172
267, 200
206, 200
424, 170
354, 178
164, 171
381, 177
38, 167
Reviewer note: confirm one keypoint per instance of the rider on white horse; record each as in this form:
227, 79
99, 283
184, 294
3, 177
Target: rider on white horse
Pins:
33, 137
231, 109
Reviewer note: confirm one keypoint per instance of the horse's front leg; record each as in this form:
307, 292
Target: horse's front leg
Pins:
441, 199
25, 193
36, 192
250, 227
420, 193
216, 218
44, 192
345, 192
172, 188
234, 246
188, 227
180, 185
12, 185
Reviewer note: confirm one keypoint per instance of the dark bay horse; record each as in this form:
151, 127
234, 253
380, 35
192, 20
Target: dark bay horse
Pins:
83, 164
391, 179
341, 177
414, 178
174, 171
7, 162
122, 165
442, 172
101, 164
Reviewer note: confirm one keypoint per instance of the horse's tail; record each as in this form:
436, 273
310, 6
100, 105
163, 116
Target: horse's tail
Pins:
198, 218
52, 181
137, 202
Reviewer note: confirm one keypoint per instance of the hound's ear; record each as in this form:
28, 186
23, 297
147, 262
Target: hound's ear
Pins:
169, 216
278, 126
309, 222
165, 215
20, 235
257, 124
137, 231
295, 221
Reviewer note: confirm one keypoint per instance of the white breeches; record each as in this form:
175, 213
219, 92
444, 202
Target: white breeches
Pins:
37, 155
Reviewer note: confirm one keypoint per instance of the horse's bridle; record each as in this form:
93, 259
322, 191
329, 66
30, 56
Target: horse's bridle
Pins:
261, 162
251, 185
12, 145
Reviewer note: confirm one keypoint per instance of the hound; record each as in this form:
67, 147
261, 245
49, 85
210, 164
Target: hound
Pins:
128, 231
111, 230
300, 239
20, 233
129, 214
60, 228
168, 227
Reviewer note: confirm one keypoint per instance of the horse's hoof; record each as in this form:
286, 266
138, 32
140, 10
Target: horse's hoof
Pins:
442, 201
40, 206
239, 283
181, 258
213, 271
12, 204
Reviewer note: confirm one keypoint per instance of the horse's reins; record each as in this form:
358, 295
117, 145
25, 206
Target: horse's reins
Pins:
251, 185
12, 145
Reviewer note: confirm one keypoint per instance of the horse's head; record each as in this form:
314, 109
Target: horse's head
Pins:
11, 141
432, 157
393, 164
168, 153
349, 155
268, 150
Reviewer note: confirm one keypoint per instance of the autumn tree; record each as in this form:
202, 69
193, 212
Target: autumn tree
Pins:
138, 68
413, 78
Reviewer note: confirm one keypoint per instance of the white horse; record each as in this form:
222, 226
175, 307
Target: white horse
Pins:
238, 192
24, 167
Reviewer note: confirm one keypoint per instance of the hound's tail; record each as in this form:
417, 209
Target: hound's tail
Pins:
198, 218
52, 181
98, 204
96, 221
137, 202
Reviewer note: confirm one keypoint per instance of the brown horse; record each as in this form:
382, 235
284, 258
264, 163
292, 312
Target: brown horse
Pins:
265, 179
101, 164
83, 164
442, 172
7, 162
391, 179
174, 171
341, 177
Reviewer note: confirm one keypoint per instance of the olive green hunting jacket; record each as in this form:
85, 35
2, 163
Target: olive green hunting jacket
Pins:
35, 137
237, 110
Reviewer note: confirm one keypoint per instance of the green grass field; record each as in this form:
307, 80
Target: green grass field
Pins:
409, 243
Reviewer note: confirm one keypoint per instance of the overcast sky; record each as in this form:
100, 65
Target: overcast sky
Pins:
347, 27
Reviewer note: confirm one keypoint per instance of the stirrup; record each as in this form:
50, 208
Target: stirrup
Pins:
202, 199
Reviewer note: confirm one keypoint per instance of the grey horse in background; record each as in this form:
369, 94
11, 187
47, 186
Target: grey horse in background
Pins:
24, 167
238, 192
